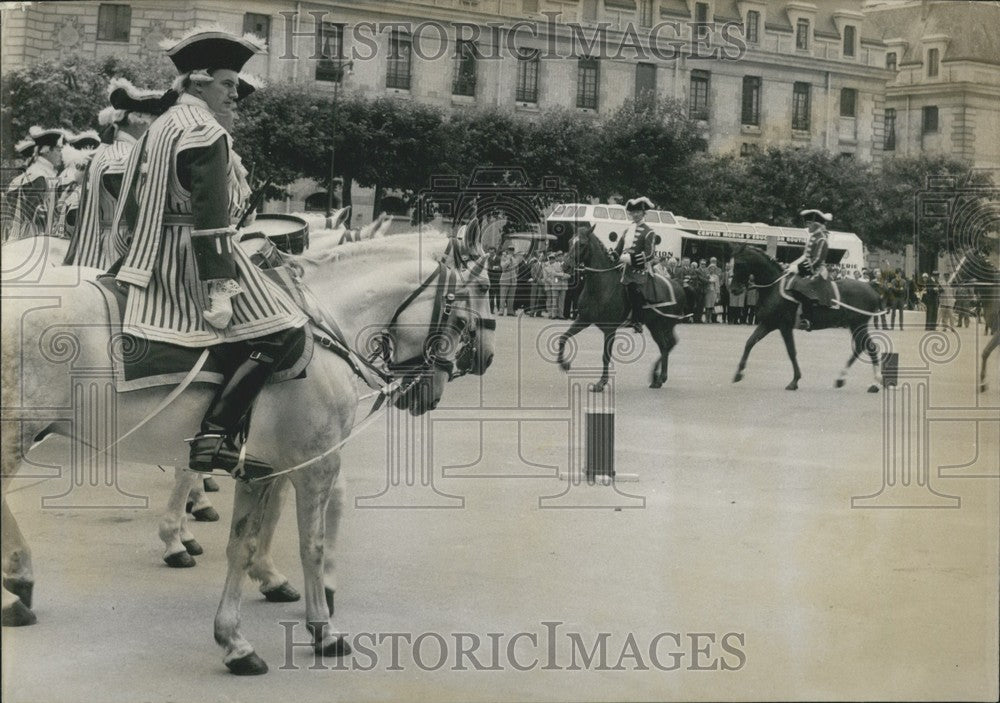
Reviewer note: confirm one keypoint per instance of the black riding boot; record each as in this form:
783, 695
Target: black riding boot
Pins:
805, 316
215, 447
637, 301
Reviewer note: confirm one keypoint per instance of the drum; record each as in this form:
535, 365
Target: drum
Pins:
289, 233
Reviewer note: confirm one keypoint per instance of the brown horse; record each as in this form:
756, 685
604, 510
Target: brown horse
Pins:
604, 303
859, 302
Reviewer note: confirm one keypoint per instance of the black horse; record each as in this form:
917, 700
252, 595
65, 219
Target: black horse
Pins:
859, 302
976, 270
604, 302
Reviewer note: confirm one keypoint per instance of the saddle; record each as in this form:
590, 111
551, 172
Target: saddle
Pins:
139, 363
815, 288
658, 291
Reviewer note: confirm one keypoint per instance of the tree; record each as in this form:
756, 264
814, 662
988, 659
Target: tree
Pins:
69, 92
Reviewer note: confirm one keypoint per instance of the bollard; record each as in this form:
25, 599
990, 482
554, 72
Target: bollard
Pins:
890, 369
600, 444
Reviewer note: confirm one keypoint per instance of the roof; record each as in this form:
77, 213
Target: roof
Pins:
971, 28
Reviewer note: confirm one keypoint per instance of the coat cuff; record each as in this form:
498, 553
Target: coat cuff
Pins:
134, 276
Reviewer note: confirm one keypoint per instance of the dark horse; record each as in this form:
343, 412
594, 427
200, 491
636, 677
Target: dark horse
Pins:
858, 303
976, 270
604, 302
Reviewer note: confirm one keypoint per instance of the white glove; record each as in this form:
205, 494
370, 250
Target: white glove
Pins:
626, 258
220, 311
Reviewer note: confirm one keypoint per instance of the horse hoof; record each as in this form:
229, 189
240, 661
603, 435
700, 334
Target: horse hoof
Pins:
192, 547
737, 378
282, 594
206, 514
792, 387
839, 383
564, 365
328, 592
656, 384
17, 615
180, 560
596, 387
982, 389
20, 588
873, 388
210, 485
337, 648
249, 665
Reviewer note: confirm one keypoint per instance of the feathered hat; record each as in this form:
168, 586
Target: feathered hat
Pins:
24, 147
248, 85
72, 158
643, 203
139, 105
88, 139
46, 137
816, 215
205, 49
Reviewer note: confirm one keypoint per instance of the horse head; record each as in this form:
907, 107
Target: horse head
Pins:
749, 260
586, 251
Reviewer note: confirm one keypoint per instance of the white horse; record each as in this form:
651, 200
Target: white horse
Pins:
295, 422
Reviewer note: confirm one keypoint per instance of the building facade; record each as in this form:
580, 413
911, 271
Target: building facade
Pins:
944, 95
754, 73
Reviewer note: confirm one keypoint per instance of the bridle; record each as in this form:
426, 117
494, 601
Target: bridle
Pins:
578, 243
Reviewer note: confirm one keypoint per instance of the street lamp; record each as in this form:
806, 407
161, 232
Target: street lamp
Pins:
342, 69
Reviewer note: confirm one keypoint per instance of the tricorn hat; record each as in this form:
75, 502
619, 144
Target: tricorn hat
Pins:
643, 203
208, 49
816, 215
51, 137
127, 100
248, 85
88, 139
24, 147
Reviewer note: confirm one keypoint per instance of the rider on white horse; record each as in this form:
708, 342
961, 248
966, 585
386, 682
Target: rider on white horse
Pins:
181, 214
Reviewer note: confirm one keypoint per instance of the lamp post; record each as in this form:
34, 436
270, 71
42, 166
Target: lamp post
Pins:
342, 69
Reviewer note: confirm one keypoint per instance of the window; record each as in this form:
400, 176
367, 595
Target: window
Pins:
698, 100
849, 32
748, 149
397, 73
260, 25
331, 46
930, 119
586, 83
751, 101
113, 22
752, 30
800, 106
846, 155
848, 102
645, 81
527, 79
933, 56
701, 19
645, 13
589, 10
890, 129
464, 80
890, 60
802, 34
600, 213
529, 6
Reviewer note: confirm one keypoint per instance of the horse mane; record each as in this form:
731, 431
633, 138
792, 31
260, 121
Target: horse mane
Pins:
368, 247
763, 255
594, 243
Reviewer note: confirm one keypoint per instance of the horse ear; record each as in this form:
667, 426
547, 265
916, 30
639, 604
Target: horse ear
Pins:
613, 236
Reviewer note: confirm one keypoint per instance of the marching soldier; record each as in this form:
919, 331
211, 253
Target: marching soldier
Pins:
813, 288
31, 196
635, 248
125, 120
188, 283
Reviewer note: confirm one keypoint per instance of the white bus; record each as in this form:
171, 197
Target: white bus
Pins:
700, 239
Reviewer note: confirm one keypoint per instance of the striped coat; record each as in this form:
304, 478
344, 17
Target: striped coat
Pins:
31, 199
182, 177
91, 245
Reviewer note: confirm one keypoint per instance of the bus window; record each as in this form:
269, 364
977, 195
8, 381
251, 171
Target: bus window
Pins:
651, 216
558, 211
617, 213
581, 210
600, 213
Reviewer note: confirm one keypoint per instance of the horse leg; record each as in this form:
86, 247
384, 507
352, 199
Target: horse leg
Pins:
173, 524
866, 343
609, 340
334, 510
273, 584
788, 336
856, 348
573, 330
249, 506
758, 334
666, 342
15, 555
987, 350
312, 497
198, 503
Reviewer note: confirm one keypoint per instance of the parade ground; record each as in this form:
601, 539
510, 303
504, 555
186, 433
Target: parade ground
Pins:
822, 544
